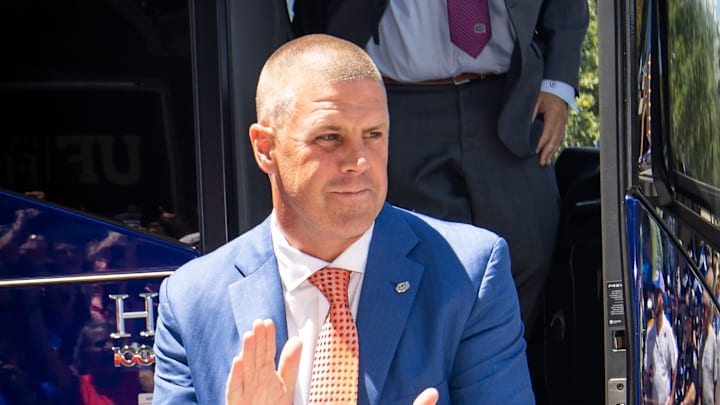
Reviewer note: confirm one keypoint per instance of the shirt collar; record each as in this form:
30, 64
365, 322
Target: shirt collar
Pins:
295, 266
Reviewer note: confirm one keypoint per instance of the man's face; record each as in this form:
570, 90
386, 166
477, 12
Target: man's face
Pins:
329, 163
659, 305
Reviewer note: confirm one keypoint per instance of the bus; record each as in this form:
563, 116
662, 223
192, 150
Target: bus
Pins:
124, 155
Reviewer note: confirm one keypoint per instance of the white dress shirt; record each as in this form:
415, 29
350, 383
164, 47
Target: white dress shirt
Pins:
305, 306
415, 46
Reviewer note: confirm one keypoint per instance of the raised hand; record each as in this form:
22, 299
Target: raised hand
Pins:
253, 379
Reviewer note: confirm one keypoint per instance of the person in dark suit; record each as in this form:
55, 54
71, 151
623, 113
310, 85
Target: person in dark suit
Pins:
473, 136
436, 313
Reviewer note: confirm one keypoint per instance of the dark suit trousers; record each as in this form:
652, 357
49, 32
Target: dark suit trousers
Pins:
446, 160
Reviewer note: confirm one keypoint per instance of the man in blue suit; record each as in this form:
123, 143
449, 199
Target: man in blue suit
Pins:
434, 302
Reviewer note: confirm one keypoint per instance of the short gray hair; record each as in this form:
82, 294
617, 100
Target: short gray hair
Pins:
315, 58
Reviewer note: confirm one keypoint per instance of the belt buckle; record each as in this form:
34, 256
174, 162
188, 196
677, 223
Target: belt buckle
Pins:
460, 79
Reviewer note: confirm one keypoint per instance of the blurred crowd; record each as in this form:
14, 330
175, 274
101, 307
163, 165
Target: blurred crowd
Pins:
55, 345
681, 345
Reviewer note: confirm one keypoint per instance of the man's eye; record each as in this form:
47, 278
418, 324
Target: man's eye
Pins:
328, 137
374, 134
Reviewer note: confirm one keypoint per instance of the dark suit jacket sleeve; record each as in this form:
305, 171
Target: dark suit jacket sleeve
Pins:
354, 20
490, 365
173, 381
561, 29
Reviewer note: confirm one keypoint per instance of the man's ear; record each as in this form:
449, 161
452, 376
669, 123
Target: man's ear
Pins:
262, 141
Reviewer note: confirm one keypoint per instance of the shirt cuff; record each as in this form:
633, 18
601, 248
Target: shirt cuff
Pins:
560, 89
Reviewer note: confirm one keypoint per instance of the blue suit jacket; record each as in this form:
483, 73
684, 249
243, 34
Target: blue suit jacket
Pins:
457, 328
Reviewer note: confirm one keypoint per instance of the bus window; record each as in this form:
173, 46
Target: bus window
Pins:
691, 111
97, 109
660, 198
675, 314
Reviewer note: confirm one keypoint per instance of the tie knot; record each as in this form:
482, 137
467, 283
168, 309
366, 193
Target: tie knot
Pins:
333, 283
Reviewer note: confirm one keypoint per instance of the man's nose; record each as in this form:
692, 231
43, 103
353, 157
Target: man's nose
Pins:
355, 156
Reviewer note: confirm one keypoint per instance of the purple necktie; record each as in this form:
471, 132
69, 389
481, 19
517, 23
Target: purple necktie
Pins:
469, 22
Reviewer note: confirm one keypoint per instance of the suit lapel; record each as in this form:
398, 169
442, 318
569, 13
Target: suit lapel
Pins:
383, 310
384, 305
258, 295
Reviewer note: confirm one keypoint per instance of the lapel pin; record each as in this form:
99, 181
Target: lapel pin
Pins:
402, 287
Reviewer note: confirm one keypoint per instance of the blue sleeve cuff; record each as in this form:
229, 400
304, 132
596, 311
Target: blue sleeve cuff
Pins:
560, 89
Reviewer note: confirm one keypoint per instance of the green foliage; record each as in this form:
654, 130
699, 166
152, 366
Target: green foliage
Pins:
583, 127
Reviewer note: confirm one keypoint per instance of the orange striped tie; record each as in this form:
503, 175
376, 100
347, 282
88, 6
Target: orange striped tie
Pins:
334, 378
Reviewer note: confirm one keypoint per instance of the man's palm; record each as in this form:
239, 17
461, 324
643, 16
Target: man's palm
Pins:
253, 379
